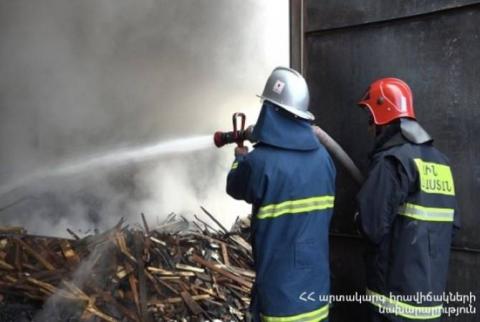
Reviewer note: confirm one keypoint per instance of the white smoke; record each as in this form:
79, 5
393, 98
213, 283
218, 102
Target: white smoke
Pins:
86, 77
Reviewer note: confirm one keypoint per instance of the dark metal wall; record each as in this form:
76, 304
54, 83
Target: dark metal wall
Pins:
342, 46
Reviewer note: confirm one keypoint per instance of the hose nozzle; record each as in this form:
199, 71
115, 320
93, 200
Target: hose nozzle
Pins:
222, 138
238, 135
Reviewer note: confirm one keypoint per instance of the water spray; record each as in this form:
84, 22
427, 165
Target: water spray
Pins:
110, 159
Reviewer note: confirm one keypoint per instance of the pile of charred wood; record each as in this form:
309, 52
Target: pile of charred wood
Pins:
179, 271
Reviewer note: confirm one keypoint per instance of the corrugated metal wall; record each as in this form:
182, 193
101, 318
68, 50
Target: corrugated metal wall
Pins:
342, 46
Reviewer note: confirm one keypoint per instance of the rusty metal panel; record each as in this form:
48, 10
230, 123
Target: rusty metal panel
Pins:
436, 55
296, 38
436, 50
329, 14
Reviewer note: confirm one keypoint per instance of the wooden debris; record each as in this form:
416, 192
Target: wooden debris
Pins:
5, 230
168, 273
221, 271
67, 251
190, 302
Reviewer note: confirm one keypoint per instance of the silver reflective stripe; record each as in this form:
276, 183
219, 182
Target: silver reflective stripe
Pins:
426, 213
405, 310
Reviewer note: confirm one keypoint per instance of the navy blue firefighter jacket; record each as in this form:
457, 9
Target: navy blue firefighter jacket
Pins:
408, 214
289, 178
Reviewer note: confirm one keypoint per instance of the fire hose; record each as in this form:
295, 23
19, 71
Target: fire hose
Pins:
339, 154
240, 134
222, 138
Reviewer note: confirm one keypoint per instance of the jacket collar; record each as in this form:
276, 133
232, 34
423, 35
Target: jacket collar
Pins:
400, 132
277, 127
389, 136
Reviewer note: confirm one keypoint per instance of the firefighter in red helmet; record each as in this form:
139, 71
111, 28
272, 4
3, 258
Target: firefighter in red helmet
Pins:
407, 210
388, 99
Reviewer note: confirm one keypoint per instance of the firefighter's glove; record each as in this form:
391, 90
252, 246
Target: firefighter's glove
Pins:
243, 150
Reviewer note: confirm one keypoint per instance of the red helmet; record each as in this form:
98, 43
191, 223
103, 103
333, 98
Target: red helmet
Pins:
388, 99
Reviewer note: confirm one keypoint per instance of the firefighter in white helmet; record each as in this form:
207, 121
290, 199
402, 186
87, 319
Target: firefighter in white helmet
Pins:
289, 179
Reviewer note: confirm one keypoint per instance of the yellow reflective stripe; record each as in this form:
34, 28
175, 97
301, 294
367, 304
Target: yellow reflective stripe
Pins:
297, 202
313, 316
427, 213
234, 165
435, 178
296, 206
403, 309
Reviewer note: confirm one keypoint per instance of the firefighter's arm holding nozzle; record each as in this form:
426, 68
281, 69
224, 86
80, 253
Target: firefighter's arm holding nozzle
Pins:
242, 183
240, 177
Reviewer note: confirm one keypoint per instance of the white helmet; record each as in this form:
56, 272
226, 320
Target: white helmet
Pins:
288, 89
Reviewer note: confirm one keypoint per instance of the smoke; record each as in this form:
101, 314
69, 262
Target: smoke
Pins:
85, 77
60, 308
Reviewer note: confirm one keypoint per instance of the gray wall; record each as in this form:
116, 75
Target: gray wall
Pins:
435, 47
